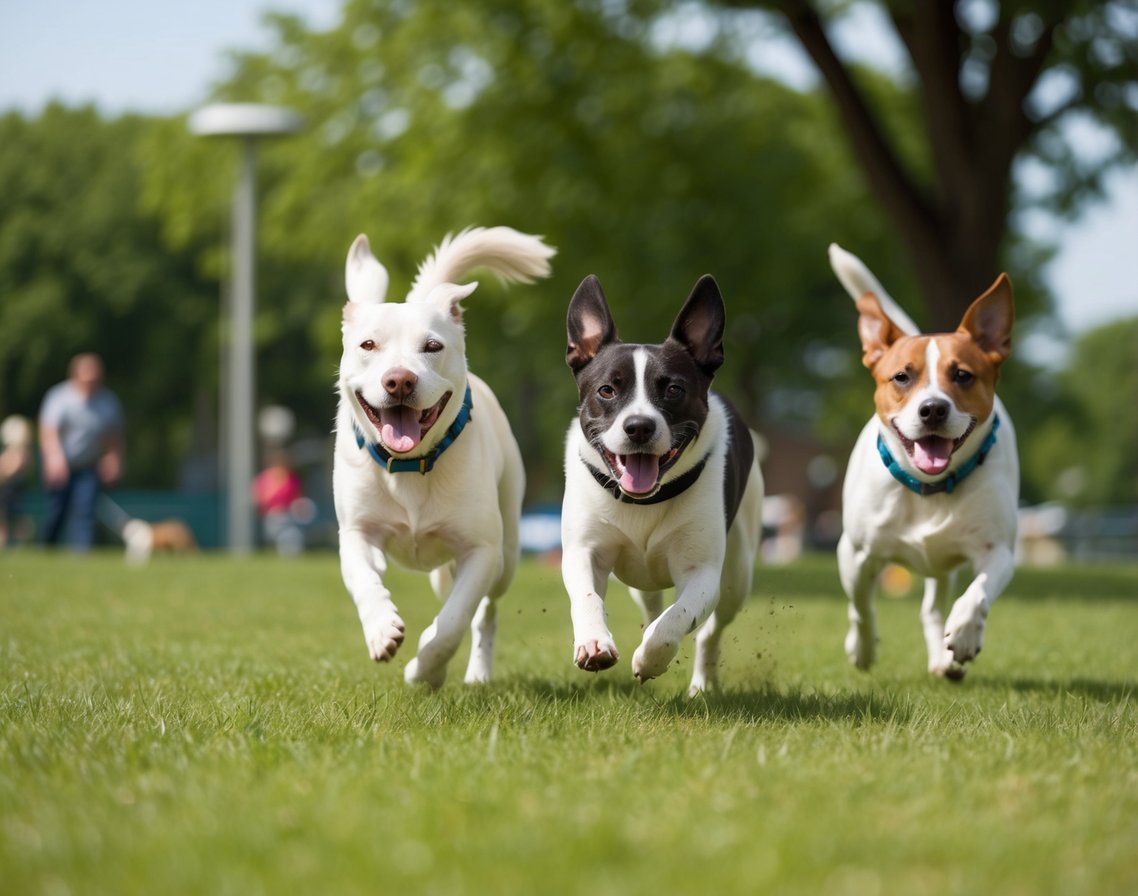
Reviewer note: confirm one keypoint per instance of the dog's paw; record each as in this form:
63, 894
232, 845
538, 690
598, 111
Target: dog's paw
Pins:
595, 654
417, 673
947, 667
383, 635
861, 647
701, 684
652, 658
964, 635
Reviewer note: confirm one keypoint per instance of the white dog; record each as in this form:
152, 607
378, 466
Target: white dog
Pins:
933, 481
426, 469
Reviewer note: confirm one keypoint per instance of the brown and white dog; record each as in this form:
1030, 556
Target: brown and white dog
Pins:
144, 539
933, 480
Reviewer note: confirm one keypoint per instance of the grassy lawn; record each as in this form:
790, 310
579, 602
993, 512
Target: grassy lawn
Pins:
214, 726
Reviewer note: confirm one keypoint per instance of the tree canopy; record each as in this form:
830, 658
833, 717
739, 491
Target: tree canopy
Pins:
646, 161
647, 166
998, 83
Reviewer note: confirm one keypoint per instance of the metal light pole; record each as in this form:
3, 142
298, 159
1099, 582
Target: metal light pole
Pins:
249, 122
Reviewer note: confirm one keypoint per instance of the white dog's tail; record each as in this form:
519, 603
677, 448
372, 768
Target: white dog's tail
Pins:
515, 257
858, 280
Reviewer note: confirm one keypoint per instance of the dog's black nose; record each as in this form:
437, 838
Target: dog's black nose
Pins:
639, 428
934, 411
399, 382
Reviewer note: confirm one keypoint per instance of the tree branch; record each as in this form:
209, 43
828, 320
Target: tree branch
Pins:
931, 36
886, 175
1010, 81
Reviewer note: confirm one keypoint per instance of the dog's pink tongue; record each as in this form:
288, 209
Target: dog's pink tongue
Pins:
932, 454
640, 472
400, 430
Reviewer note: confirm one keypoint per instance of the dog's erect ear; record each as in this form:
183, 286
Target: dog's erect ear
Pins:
446, 297
699, 325
989, 320
589, 323
364, 277
876, 331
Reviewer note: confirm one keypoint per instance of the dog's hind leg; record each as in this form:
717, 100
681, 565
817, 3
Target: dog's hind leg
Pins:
705, 674
941, 661
482, 631
859, 578
651, 604
738, 573
474, 575
442, 580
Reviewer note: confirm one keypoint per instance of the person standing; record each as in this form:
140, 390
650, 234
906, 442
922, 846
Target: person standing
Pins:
81, 438
15, 468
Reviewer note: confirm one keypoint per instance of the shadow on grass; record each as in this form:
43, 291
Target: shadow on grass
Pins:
1102, 691
746, 706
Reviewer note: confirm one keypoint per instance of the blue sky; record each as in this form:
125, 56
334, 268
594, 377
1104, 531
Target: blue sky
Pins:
157, 57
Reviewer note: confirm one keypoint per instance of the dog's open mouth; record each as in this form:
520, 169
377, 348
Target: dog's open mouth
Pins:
401, 428
639, 474
932, 454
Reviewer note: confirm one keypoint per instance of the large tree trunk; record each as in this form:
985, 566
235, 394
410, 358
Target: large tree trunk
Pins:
952, 229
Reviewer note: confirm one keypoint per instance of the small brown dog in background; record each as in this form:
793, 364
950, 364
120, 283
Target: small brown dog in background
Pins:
168, 536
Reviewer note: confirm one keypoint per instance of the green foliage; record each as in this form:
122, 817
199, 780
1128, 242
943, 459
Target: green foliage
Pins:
212, 725
82, 268
1086, 452
644, 165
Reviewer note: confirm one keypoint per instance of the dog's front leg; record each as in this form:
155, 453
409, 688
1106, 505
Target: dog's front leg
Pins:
964, 630
362, 566
474, 575
941, 660
858, 572
586, 579
696, 595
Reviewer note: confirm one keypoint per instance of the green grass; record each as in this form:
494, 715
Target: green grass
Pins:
214, 726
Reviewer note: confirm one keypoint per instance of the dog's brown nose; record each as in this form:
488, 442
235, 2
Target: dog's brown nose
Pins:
399, 382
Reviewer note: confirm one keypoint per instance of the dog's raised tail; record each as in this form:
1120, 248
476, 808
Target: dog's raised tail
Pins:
858, 280
515, 257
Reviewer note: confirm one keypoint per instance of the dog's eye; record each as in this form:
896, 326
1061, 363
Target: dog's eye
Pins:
962, 377
432, 346
606, 391
673, 391
901, 378
368, 345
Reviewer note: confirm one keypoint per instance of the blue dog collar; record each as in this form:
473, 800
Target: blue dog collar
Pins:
426, 463
952, 480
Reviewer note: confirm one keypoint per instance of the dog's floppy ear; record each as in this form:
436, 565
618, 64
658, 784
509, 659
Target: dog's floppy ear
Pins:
446, 297
589, 323
876, 331
699, 325
989, 320
364, 277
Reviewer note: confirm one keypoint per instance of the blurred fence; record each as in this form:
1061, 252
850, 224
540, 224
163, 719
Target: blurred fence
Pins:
1048, 533
203, 512
1107, 534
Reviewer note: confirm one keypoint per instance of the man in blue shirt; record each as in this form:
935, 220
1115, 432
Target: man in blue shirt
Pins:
81, 437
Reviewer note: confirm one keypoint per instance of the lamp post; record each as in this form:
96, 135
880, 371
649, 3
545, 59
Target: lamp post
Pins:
249, 122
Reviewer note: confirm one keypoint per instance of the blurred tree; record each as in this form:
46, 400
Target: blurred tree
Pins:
1086, 452
999, 85
82, 269
646, 164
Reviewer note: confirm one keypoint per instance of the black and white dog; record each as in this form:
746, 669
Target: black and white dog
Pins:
662, 486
